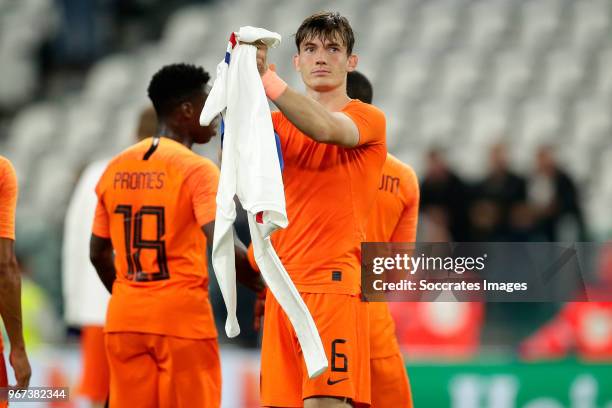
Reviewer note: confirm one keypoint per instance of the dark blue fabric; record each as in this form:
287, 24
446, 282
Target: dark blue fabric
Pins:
222, 130
279, 151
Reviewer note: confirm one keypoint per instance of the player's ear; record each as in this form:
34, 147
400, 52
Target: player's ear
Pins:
352, 63
296, 62
187, 109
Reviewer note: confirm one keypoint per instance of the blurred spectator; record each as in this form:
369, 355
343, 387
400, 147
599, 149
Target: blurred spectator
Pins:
444, 196
81, 37
500, 194
555, 199
91, 29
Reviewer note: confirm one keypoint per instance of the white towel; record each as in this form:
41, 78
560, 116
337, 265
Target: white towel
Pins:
250, 169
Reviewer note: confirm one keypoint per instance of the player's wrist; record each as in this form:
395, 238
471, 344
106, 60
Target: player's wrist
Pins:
18, 346
273, 85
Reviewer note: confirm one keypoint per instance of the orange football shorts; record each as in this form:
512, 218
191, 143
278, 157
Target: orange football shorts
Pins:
151, 370
390, 386
343, 324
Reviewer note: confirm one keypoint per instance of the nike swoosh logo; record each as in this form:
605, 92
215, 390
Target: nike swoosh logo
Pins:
330, 382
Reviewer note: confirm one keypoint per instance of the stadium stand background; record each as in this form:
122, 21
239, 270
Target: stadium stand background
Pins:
453, 75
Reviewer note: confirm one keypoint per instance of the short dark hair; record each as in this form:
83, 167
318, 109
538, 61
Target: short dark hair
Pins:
327, 25
358, 86
175, 84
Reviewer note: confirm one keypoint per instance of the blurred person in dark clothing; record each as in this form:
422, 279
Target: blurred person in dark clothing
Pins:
498, 208
444, 195
502, 184
555, 199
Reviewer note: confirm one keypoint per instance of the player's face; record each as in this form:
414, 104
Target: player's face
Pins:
323, 64
202, 134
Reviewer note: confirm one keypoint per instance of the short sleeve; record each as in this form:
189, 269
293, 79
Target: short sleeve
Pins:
8, 199
279, 131
370, 122
101, 224
202, 182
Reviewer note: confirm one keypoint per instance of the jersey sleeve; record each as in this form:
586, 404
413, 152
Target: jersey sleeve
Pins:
370, 122
406, 228
8, 199
101, 222
283, 140
202, 182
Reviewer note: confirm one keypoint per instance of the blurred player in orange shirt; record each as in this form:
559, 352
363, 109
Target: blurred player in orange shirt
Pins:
85, 298
393, 219
333, 150
10, 282
156, 208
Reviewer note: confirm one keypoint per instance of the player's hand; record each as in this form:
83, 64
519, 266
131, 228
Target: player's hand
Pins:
260, 305
262, 56
21, 366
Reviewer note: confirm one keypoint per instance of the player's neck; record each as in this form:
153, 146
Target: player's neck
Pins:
167, 132
333, 100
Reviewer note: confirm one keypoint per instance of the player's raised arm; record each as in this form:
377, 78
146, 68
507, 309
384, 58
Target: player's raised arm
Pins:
315, 121
323, 60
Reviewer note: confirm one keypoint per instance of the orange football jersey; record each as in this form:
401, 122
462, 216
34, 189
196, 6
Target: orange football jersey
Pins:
152, 205
329, 192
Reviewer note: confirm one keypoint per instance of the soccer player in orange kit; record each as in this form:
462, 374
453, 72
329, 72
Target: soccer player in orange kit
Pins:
393, 219
333, 149
10, 282
156, 209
